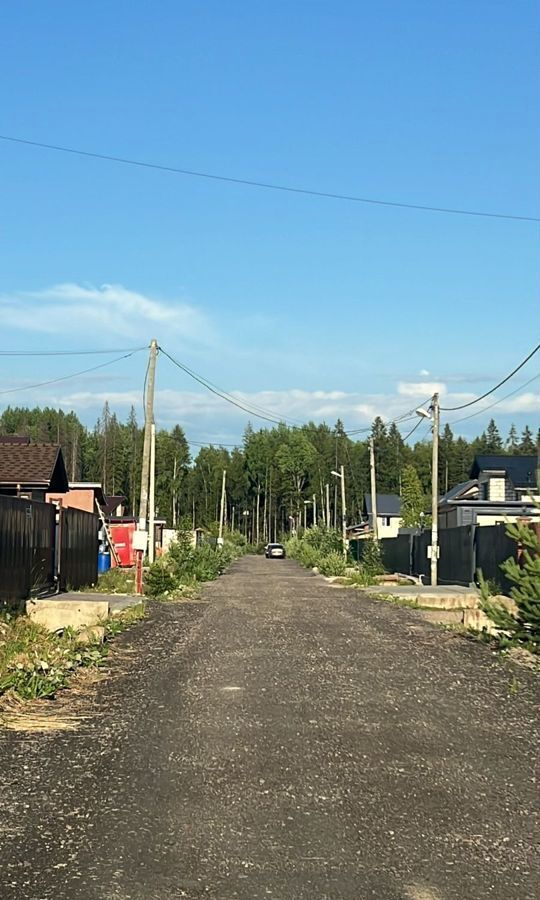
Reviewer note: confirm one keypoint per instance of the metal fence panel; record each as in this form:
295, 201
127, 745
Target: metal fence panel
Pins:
421, 565
78, 549
493, 547
456, 559
27, 536
397, 553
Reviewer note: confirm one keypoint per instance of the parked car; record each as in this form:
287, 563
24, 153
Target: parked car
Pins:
274, 551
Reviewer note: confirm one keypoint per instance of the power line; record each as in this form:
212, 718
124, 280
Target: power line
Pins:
30, 387
497, 386
496, 403
70, 352
407, 436
264, 184
217, 392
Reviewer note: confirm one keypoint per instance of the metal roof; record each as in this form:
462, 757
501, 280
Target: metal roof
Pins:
458, 492
387, 504
520, 469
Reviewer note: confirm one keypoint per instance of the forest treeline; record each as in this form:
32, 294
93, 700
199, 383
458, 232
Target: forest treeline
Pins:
268, 477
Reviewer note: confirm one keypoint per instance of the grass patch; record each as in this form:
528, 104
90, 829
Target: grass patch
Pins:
36, 663
115, 581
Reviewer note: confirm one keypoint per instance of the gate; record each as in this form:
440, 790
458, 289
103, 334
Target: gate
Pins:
27, 543
78, 549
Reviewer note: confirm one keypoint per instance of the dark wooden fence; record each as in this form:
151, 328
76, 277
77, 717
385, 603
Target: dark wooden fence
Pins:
463, 551
27, 539
39, 554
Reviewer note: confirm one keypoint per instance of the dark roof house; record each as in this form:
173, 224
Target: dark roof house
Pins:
387, 505
31, 470
519, 470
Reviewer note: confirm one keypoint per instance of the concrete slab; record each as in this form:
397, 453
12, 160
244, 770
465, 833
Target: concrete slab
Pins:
56, 613
447, 597
120, 602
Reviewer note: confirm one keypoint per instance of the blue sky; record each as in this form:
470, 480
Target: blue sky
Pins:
311, 307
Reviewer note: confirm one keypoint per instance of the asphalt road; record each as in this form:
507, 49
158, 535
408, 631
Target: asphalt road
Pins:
283, 739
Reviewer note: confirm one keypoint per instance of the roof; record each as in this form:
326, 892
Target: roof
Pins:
460, 491
387, 504
112, 502
520, 469
33, 465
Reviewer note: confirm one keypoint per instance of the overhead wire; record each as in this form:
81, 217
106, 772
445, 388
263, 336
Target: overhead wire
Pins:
484, 409
71, 352
224, 396
497, 386
110, 362
273, 186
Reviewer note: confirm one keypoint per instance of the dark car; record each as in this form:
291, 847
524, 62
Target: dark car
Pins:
274, 551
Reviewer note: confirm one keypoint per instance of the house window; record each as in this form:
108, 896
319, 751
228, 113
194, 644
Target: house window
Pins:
387, 520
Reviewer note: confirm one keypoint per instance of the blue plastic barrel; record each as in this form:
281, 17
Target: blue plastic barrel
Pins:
104, 562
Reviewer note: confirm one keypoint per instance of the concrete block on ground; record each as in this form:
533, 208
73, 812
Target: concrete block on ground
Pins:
448, 597
478, 621
450, 602
57, 613
442, 616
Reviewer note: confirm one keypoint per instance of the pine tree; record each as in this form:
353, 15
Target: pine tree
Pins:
412, 498
527, 445
523, 625
493, 438
512, 445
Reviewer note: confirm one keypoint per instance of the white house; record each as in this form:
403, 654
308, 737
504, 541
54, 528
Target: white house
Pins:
388, 514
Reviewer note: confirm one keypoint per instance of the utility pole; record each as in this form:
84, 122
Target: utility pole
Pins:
141, 539
314, 510
373, 489
222, 507
435, 490
328, 523
152, 498
343, 511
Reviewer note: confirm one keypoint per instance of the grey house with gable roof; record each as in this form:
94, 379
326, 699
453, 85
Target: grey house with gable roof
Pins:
500, 489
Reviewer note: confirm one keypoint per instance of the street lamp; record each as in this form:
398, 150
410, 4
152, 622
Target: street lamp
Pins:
434, 415
341, 476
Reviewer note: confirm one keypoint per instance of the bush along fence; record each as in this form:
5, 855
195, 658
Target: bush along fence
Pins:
463, 551
44, 549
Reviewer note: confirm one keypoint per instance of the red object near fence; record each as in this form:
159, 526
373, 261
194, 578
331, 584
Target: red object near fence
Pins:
122, 535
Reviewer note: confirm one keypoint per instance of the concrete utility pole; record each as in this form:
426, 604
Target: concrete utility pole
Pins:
152, 498
373, 489
222, 507
343, 512
328, 506
141, 538
314, 510
435, 490
341, 476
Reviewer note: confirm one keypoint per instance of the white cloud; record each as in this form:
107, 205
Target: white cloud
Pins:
102, 312
424, 373
420, 388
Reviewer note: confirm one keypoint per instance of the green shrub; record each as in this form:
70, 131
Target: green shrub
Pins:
332, 564
371, 563
159, 580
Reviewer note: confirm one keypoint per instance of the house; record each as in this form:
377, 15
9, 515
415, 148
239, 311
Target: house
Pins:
31, 470
80, 495
500, 489
388, 514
